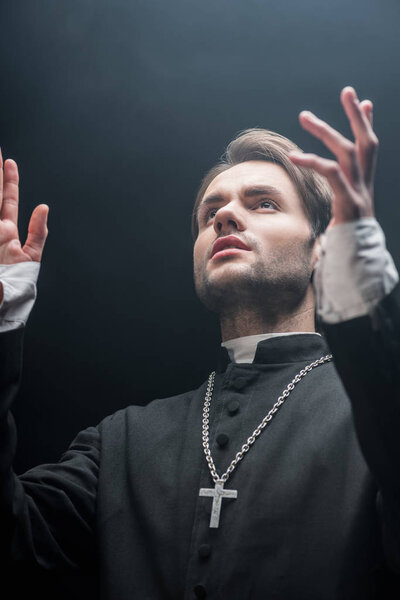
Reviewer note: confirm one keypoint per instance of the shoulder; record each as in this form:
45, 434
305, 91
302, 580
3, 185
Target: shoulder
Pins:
159, 412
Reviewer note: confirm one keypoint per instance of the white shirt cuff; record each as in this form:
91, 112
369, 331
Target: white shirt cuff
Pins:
355, 271
19, 293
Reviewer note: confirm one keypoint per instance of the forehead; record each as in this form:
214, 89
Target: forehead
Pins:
254, 173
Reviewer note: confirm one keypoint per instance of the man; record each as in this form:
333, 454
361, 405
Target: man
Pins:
270, 480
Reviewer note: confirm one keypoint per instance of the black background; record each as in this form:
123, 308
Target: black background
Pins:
113, 111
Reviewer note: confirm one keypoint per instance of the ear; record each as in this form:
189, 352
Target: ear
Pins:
316, 253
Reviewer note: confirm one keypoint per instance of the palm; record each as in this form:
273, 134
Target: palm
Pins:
367, 164
11, 250
10, 246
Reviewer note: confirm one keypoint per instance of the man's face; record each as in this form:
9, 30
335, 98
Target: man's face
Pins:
271, 251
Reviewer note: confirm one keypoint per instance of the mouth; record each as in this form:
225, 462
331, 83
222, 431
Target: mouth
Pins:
229, 245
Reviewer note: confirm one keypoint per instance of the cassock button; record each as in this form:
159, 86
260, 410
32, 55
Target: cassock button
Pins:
222, 439
204, 550
233, 407
238, 383
200, 591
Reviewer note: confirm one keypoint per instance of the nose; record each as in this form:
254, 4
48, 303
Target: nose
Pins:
228, 218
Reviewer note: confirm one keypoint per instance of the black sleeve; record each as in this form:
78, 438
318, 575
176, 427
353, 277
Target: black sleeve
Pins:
366, 353
47, 515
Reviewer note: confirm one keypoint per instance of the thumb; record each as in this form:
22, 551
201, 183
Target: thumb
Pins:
37, 233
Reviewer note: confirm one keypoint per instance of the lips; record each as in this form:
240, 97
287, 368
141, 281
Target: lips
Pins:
228, 242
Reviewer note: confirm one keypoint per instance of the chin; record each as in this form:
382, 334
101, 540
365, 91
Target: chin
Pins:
217, 287
228, 271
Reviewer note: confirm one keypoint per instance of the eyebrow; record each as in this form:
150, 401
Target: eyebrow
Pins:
256, 190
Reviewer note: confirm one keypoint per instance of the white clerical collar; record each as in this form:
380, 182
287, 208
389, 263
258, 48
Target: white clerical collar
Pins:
243, 349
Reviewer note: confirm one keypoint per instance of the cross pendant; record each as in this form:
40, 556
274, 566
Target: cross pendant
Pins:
217, 494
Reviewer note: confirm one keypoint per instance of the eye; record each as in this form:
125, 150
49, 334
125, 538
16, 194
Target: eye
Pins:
266, 204
211, 213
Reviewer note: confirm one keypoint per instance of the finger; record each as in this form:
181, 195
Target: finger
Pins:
344, 149
328, 168
37, 232
366, 140
9, 207
359, 123
367, 107
345, 206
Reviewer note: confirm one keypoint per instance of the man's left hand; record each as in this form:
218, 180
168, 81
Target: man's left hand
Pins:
351, 177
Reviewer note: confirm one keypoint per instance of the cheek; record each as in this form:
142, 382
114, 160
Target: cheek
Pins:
199, 250
201, 245
290, 244
284, 232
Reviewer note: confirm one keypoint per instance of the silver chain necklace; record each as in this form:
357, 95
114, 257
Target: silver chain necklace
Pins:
218, 492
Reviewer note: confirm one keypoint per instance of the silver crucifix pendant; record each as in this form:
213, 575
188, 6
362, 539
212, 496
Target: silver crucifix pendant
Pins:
217, 494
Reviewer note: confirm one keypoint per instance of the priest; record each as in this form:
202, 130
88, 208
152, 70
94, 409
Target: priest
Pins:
279, 476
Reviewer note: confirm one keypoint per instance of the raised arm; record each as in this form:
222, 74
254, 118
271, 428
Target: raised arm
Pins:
358, 300
47, 515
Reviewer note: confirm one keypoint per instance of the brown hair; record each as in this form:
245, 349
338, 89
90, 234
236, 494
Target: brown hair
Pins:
262, 144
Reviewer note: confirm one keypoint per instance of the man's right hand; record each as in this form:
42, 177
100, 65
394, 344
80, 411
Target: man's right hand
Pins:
11, 250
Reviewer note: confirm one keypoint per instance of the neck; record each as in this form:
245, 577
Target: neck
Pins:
254, 321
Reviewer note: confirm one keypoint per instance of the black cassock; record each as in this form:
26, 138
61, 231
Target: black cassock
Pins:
318, 506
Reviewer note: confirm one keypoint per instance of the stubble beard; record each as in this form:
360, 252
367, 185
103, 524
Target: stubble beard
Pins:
273, 286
